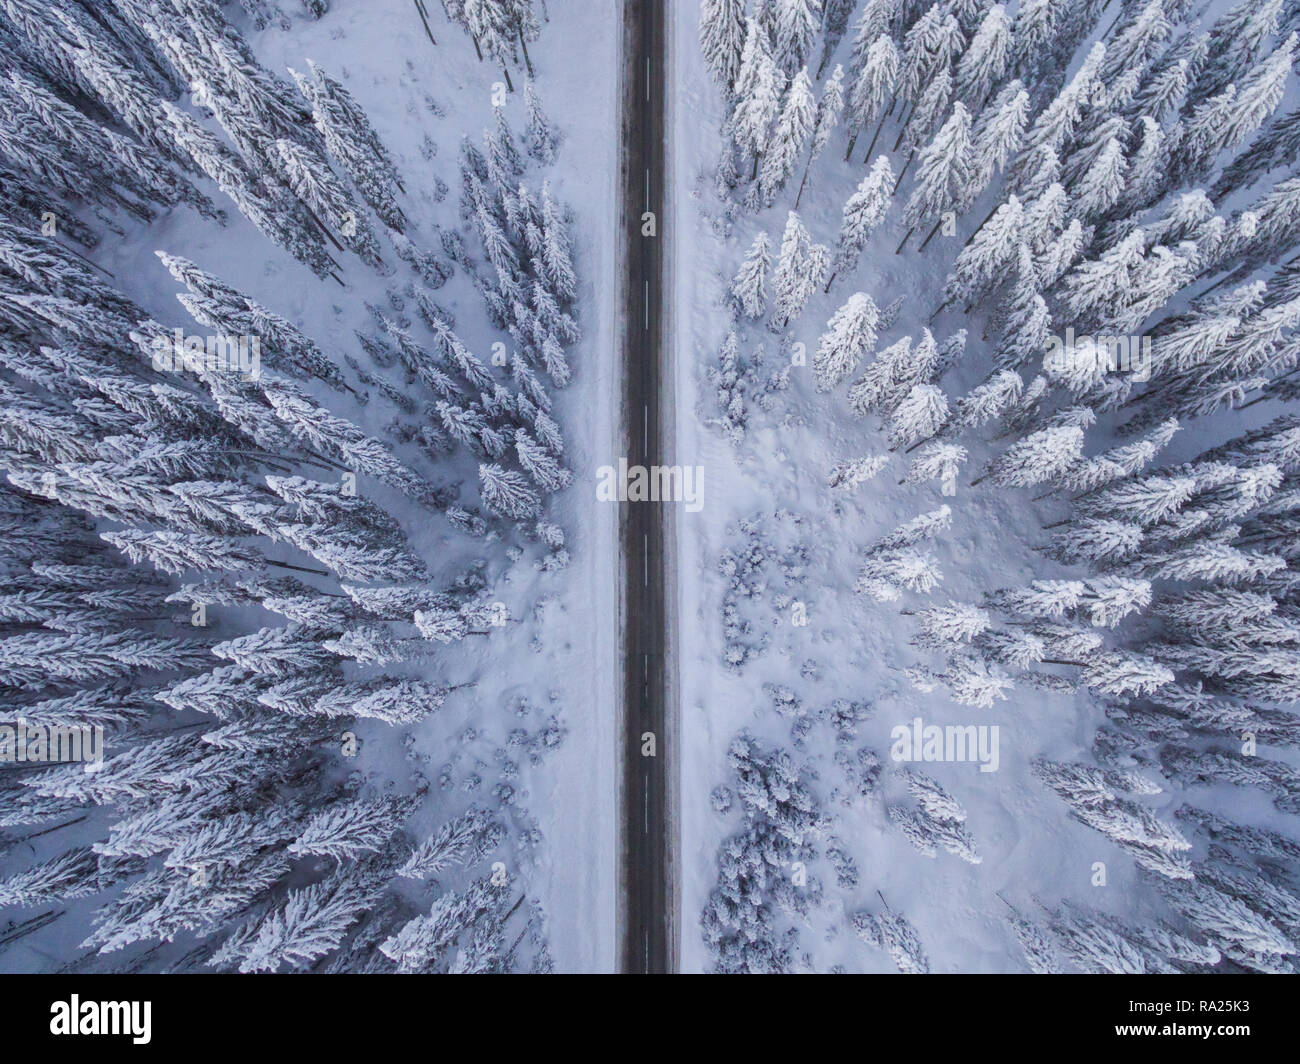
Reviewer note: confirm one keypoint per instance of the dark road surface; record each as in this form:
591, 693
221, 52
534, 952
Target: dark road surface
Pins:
648, 944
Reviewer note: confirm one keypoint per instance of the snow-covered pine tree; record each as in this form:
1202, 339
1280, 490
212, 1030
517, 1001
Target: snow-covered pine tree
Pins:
863, 212
1040, 456
829, 109
850, 335
750, 284
540, 134
758, 94
985, 60
944, 180
875, 81
722, 38
800, 268
786, 144
794, 25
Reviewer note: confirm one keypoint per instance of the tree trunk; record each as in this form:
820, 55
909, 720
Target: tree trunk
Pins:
1111, 28
50, 831
322, 227
528, 61
26, 927
329, 462
270, 463
852, 141
802, 183
828, 283
871, 147
83, 258
903, 172
424, 17
1217, 284
297, 568
982, 224
931, 236
272, 460
899, 250
902, 131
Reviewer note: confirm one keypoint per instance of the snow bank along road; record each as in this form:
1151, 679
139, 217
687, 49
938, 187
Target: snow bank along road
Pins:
648, 940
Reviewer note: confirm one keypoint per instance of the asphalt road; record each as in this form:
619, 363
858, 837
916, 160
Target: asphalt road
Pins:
648, 940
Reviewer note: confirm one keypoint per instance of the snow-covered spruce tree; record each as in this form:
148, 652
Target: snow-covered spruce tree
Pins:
722, 37
750, 285
793, 24
846, 476
830, 107
944, 177
850, 334
874, 81
759, 85
1040, 456
937, 461
353, 143
233, 315
863, 212
541, 135
937, 823
919, 415
892, 932
800, 267
793, 128
887, 574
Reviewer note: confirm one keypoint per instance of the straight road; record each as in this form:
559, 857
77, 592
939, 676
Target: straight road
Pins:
648, 940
